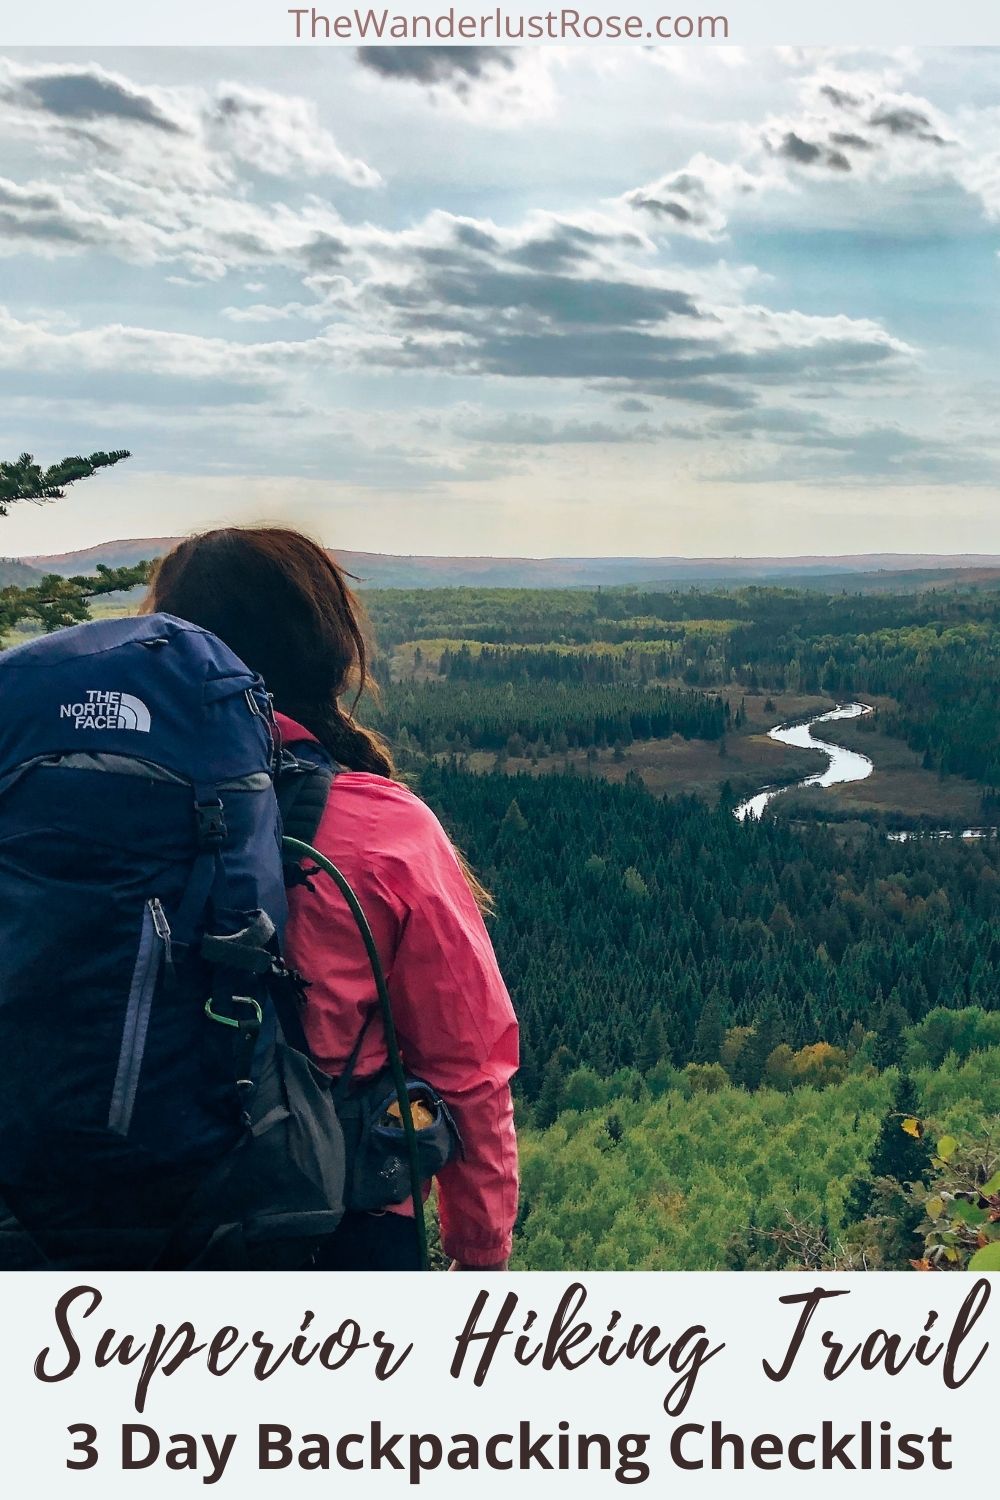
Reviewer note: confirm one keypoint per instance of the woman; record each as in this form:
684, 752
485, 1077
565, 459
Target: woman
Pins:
280, 602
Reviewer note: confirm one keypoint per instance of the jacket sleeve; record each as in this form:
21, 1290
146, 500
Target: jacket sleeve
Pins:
457, 1029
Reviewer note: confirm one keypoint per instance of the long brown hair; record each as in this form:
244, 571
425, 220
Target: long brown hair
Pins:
280, 601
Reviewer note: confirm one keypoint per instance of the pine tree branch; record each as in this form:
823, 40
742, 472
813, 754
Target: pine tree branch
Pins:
23, 479
57, 601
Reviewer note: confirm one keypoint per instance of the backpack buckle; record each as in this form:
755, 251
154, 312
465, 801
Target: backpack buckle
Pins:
210, 824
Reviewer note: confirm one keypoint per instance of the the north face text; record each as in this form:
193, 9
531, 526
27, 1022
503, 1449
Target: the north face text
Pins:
107, 711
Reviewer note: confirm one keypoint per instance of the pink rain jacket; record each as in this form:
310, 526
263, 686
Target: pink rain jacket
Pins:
453, 1014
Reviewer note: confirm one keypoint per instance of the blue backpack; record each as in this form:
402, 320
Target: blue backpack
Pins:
152, 1111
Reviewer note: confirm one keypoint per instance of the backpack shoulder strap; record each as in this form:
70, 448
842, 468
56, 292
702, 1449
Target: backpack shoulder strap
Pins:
302, 787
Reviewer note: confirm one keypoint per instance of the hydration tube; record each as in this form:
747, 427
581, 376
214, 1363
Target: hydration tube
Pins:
301, 849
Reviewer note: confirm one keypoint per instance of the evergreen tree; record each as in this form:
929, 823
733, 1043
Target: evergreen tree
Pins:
889, 1039
710, 1033
899, 1152
551, 1092
514, 822
23, 479
751, 1061
57, 601
653, 1046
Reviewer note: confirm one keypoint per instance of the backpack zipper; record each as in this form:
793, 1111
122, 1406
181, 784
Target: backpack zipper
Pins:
162, 929
154, 946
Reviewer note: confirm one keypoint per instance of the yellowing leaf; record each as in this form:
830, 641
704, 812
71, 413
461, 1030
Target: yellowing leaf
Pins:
912, 1127
946, 1147
935, 1208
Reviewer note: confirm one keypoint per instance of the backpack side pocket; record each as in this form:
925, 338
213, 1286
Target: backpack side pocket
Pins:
153, 940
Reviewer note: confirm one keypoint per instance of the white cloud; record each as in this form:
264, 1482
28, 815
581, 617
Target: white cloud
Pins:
188, 138
278, 134
119, 347
610, 320
849, 130
695, 200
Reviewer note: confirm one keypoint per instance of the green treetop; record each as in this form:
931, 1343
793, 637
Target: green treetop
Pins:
55, 601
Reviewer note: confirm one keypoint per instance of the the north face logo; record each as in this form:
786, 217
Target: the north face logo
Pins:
108, 711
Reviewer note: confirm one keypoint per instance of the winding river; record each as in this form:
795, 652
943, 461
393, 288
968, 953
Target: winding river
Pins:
844, 765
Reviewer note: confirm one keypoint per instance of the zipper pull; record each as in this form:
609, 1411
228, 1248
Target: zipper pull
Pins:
162, 929
274, 732
253, 703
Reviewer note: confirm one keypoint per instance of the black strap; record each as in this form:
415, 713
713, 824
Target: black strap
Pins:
303, 786
342, 1086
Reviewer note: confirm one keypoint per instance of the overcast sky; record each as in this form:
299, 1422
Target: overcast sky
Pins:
533, 302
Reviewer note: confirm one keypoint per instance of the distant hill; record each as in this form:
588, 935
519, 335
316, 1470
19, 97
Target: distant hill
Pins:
111, 554
859, 571
15, 573
901, 581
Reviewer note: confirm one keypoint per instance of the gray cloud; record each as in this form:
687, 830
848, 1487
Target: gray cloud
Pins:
166, 137
907, 122
323, 251
91, 95
839, 97
229, 105
465, 303
558, 246
455, 67
551, 299
815, 451
649, 361
669, 207
45, 228
808, 154
567, 301
525, 428
43, 217
775, 422
855, 142
474, 238
796, 149
838, 129
12, 195
684, 199
566, 245
711, 393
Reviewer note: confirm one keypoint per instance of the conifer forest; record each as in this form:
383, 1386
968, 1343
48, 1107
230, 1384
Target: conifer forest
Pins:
747, 1042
